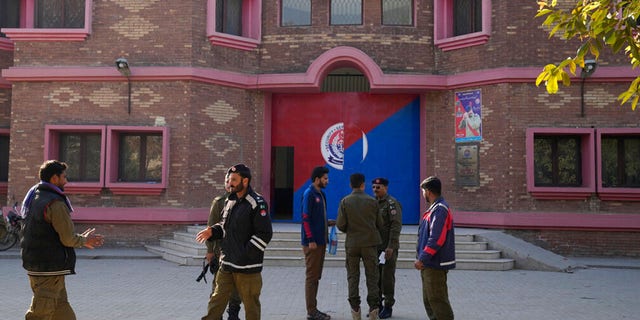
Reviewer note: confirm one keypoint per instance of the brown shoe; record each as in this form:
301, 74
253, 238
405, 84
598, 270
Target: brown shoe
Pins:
356, 315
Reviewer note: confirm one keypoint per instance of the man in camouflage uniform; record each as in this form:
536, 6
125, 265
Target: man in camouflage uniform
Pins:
391, 212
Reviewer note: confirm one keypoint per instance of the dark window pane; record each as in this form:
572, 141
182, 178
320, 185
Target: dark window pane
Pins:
9, 14
229, 17
59, 14
397, 12
632, 162
81, 152
4, 158
296, 13
467, 16
557, 161
346, 12
542, 162
569, 166
609, 150
620, 161
140, 158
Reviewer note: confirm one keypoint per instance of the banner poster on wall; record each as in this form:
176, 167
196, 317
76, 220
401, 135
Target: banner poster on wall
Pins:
468, 106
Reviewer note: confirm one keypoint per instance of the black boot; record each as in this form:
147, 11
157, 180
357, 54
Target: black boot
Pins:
233, 312
385, 313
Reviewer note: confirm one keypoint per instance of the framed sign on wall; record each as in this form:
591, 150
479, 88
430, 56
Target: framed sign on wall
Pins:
467, 165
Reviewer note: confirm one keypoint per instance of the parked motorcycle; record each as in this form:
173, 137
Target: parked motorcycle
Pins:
12, 228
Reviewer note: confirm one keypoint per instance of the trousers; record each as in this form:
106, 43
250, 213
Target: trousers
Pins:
248, 286
387, 282
369, 258
314, 262
49, 300
435, 294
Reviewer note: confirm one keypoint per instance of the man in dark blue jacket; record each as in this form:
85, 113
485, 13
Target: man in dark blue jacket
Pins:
314, 238
435, 251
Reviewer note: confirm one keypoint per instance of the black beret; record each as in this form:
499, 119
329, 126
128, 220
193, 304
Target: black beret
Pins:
381, 181
240, 169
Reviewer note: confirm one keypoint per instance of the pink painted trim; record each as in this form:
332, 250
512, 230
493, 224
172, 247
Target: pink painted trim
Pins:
588, 160
614, 194
111, 165
4, 83
251, 27
547, 220
311, 80
51, 151
266, 148
4, 185
6, 44
140, 215
443, 27
29, 33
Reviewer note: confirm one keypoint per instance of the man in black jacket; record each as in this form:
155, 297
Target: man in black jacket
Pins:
245, 231
49, 241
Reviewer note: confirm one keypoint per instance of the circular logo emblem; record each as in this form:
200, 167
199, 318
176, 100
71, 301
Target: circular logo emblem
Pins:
332, 146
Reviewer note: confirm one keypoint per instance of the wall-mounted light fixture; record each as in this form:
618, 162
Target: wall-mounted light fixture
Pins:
588, 70
123, 67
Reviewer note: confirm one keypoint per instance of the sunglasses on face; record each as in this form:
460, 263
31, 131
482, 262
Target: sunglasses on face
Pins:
376, 187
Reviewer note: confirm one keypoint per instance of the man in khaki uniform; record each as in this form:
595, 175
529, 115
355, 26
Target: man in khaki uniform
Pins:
391, 212
358, 217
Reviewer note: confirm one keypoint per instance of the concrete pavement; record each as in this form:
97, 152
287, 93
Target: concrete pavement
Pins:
134, 285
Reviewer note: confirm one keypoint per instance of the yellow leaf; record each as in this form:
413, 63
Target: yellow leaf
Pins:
552, 86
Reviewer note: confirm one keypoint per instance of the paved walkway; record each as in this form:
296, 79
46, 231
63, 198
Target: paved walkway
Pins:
133, 285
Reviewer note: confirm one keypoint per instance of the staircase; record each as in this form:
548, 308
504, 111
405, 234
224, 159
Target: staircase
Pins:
284, 249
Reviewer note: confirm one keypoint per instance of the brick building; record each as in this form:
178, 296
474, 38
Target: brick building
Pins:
395, 88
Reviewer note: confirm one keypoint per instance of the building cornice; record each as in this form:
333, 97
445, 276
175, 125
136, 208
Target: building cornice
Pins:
296, 82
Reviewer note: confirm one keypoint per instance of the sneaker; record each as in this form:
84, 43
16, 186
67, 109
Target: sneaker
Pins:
356, 315
373, 314
385, 313
318, 315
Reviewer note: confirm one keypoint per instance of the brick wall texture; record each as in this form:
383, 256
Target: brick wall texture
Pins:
212, 126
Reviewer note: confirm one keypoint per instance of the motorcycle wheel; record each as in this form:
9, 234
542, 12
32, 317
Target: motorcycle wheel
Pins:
8, 241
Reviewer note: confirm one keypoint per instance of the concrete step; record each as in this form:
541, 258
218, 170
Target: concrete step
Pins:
192, 247
284, 250
295, 235
176, 256
485, 265
403, 253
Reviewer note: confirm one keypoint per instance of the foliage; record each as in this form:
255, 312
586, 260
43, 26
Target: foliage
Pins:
596, 24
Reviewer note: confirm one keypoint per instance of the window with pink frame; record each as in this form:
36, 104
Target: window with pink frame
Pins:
50, 20
460, 24
123, 159
234, 24
609, 164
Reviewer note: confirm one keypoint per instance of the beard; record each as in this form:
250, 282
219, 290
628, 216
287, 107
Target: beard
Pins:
238, 188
